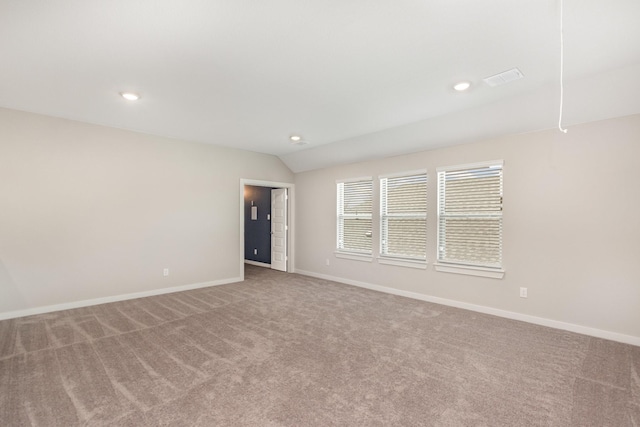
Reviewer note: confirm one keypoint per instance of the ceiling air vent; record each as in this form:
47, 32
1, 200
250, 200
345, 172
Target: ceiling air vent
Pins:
504, 77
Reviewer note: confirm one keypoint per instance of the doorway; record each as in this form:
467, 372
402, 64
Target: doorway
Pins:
257, 225
274, 222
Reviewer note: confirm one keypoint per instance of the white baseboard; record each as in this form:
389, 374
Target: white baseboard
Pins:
585, 330
259, 264
115, 298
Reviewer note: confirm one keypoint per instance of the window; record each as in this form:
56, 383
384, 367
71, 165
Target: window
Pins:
403, 215
355, 202
470, 215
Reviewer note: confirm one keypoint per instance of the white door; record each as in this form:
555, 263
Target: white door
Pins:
279, 229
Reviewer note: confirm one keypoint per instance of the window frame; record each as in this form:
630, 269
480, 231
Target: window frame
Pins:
466, 266
340, 251
400, 259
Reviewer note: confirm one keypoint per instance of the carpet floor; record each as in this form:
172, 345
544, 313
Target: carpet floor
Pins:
289, 350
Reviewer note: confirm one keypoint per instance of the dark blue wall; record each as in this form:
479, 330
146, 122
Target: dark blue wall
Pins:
257, 234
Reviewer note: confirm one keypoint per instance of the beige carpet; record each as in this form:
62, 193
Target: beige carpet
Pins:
288, 350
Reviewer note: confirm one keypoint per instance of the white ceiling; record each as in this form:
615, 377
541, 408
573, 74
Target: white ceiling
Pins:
346, 75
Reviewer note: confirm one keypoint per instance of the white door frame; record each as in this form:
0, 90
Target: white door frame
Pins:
290, 219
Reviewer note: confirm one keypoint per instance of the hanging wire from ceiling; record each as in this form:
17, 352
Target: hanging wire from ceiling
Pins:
561, 71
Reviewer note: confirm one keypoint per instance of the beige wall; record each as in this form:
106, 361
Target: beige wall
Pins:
571, 226
91, 212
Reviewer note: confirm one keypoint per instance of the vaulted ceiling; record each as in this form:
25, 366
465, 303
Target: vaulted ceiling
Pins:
356, 79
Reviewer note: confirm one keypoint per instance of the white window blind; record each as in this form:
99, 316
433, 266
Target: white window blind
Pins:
403, 216
470, 215
355, 202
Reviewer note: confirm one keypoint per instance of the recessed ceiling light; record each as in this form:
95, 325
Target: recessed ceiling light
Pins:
462, 86
130, 96
297, 140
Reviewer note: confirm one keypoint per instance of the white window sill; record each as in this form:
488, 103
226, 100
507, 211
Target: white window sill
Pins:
354, 256
494, 273
401, 262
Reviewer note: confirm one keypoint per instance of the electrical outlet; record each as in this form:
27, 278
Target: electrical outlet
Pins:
327, 261
165, 272
255, 252
523, 292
